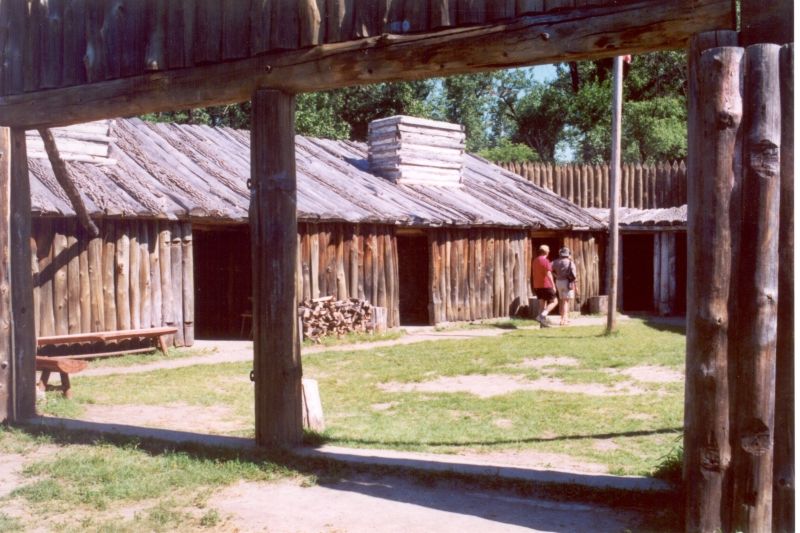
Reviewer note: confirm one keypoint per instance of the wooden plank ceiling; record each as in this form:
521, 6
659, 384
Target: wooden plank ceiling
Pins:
68, 62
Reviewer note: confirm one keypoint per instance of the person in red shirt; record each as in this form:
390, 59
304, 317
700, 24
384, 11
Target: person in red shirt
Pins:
543, 285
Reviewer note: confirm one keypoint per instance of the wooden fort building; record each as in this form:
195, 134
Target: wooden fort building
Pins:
406, 222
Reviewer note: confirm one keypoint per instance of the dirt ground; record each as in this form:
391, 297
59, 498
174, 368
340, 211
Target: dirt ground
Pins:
382, 503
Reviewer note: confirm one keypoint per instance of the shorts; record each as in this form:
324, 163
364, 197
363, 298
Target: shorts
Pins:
564, 290
548, 295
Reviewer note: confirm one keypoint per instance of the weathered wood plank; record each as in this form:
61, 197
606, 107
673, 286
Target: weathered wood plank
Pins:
156, 305
286, 35
277, 367
84, 281
165, 264
155, 49
630, 28
122, 278
235, 29
6, 333
96, 283
145, 287
208, 31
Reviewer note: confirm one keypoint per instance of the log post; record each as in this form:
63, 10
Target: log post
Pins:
613, 222
273, 223
715, 112
783, 501
758, 287
17, 325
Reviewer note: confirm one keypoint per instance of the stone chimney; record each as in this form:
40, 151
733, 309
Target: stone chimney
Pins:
410, 150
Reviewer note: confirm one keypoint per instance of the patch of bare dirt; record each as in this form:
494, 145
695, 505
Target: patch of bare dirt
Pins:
653, 374
215, 419
503, 423
605, 445
534, 460
547, 361
383, 406
486, 386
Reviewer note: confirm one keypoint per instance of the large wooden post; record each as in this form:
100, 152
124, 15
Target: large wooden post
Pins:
783, 492
17, 328
273, 227
715, 114
758, 287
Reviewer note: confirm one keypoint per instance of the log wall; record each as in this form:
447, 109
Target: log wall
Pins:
114, 281
478, 273
641, 186
349, 261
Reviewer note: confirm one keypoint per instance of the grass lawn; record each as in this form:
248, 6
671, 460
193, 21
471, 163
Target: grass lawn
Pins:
370, 401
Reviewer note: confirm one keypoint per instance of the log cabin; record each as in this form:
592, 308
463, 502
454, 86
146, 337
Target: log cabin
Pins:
407, 221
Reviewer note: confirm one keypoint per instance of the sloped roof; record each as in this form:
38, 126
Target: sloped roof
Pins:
630, 217
200, 173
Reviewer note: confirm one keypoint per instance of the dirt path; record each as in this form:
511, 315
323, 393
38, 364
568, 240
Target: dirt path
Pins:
242, 351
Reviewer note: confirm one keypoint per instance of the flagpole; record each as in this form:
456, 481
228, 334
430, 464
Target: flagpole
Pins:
613, 222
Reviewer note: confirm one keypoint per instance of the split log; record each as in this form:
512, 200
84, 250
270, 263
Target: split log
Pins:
187, 284
156, 305
327, 316
122, 270
144, 275
135, 274
60, 287
176, 280
72, 254
84, 281
98, 321
44, 250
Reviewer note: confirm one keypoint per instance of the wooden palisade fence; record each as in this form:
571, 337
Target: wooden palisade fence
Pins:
641, 186
732, 444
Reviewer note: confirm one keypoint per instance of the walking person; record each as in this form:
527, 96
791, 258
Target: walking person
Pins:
566, 274
544, 285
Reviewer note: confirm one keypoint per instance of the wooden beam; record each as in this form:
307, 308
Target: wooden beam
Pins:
273, 228
715, 115
767, 21
589, 32
67, 183
21, 318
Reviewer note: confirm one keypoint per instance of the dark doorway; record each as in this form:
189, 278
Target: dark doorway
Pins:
554, 243
413, 262
637, 272
223, 284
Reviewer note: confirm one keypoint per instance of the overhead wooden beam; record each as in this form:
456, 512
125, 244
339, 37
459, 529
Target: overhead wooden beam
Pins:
273, 229
767, 21
583, 33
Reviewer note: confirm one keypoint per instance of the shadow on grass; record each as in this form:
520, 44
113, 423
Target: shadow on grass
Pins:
323, 439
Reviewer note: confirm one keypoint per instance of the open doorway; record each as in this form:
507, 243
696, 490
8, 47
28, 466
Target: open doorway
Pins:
413, 260
637, 272
223, 284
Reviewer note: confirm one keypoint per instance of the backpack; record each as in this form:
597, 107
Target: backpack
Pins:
570, 276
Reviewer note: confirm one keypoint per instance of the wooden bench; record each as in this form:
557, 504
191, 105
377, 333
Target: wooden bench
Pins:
63, 366
155, 334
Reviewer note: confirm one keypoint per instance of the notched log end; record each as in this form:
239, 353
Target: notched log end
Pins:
765, 160
710, 460
756, 438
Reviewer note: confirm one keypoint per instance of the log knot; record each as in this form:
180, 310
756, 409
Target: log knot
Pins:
765, 158
710, 459
756, 437
727, 120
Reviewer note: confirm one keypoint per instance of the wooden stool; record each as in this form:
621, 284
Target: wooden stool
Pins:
64, 367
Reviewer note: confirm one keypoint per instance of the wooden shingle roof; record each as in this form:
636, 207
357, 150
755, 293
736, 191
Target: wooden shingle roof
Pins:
200, 173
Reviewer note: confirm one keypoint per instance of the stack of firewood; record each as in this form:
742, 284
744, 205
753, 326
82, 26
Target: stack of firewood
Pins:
325, 316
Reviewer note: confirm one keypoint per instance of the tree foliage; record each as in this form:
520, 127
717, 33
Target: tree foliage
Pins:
509, 114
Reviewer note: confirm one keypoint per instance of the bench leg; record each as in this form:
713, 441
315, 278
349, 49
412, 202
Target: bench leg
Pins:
66, 387
162, 345
43, 380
